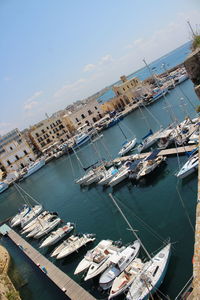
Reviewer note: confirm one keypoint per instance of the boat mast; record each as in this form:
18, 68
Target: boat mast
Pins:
122, 131
131, 228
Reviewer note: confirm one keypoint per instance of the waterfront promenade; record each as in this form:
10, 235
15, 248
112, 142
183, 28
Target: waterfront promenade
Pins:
71, 289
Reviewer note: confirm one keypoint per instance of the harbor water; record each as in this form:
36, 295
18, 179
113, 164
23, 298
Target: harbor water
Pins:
159, 207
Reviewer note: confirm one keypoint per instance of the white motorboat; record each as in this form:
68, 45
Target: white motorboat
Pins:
148, 140
41, 225
101, 261
121, 175
57, 235
49, 226
91, 254
74, 243
3, 186
189, 167
87, 176
81, 139
119, 262
127, 146
149, 165
108, 175
96, 177
35, 211
125, 279
30, 226
150, 278
17, 218
33, 167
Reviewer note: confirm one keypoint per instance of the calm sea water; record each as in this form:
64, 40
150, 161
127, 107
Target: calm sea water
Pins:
154, 201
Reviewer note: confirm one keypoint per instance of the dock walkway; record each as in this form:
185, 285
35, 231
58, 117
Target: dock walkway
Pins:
166, 152
71, 289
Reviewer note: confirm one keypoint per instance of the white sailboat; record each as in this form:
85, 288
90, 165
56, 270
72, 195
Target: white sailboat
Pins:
57, 235
119, 262
17, 218
108, 175
35, 211
30, 226
152, 274
128, 145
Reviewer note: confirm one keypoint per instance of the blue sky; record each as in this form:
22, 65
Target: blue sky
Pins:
56, 52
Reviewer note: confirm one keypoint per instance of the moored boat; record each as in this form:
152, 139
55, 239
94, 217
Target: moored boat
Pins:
189, 167
91, 254
57, 235
128, 146
74, 243
33, 167
150, 278
125, 279
119, 262
3, 186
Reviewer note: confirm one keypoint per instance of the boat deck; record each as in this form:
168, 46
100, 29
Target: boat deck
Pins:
71, 289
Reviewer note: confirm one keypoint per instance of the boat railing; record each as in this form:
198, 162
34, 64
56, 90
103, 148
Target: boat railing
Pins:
186, 291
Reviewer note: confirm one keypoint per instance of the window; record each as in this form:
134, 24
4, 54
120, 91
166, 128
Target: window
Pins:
95, 107
118, 93
77, 120
22, 165
43, 131
17, 157
52, 136
83, 116
127, 86
89, 112
37, 135
25, 152
61, 126
47, 127
11, 148
8, 162
42, 144
124, 89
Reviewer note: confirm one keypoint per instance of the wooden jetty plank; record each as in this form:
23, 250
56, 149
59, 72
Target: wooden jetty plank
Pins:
165, 152
62, 280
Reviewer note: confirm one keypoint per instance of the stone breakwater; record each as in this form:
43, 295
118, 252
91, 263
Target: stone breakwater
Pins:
7, 289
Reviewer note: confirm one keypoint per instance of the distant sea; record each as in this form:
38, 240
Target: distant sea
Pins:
168, 61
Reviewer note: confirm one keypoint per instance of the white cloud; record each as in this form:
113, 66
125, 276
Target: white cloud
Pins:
89, 68
74, 86
106, 59
30, 102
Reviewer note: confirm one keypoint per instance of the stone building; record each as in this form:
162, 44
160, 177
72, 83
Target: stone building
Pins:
15, 152
130, 89
192, 65
85, 114
49, 132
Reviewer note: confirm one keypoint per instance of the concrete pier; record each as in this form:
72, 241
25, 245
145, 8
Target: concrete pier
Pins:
68, 286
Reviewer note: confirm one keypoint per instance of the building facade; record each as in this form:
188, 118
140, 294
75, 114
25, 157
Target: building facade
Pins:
86, 114
49, 132
129, 90
15, 153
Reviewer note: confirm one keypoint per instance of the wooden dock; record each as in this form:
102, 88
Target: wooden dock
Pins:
71, 289
165, 152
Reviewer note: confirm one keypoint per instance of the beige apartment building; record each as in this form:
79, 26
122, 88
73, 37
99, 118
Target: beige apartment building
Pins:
130, 89
85, 114
49, 132
15, 153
